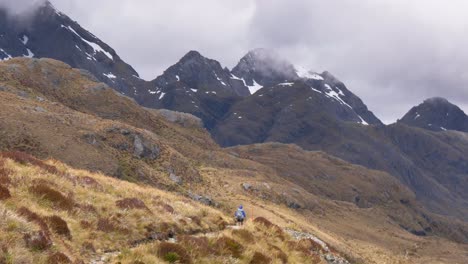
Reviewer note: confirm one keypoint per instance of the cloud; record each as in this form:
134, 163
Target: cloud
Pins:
20, 7
393, 54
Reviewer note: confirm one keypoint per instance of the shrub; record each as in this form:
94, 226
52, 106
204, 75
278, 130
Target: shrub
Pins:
25, 158
38, 240
85, 224
196, 220
4, 193
259, 258
279, 254
263, 221
59, 200
58, 258
59, 226
106, 225
172, 253
272, 228
33, 217
131, 203
88, 181
88, 247
198, 246
243, 234
229, 246
4, 174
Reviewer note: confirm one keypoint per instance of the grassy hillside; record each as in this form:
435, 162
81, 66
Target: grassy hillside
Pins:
163, 170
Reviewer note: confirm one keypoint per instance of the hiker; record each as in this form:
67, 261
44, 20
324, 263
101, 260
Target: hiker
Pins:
240, 215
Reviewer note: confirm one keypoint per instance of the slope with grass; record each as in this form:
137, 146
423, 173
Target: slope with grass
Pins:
51, 110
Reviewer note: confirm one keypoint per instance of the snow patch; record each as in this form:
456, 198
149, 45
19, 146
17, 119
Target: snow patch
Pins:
332, 94
417, 116
363, 121
178, 78
93, 45
255, 87
30, 54
315, 90
25, 39
110, 75
162, 96
443, 128
193, 90
286, 84
219, 79
8, 56
306, 74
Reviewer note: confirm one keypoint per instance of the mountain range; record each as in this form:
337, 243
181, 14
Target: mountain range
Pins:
291, 136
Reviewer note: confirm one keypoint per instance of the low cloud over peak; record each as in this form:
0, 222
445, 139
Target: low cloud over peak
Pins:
21, 7
393, 54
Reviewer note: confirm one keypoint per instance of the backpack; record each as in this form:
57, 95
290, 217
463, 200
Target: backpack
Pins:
239, 214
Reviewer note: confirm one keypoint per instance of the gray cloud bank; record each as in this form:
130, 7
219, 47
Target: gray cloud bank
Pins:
20, 7
393, 54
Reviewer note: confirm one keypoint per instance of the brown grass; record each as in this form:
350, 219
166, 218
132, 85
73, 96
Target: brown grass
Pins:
174, 253
37, 240
197, 246
34, 218
131, 203
58, 258
59, 200
4, 193
259, 258
228, 246
106, 225
244, 235
24, 158
59, 226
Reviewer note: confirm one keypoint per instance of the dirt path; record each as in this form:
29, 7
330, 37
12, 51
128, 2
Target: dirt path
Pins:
330, 257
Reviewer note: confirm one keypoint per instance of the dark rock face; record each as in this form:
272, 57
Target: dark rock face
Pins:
290, 112
195, 85
51, 34
437, 114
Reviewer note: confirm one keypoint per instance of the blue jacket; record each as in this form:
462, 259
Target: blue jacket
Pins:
240, 211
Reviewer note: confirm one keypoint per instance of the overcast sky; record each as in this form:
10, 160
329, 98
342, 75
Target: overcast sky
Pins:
392, 53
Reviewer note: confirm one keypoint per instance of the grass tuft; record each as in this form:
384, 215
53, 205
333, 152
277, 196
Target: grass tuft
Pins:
59, 226
131, 203
24, 158
259, 258
173, 253
58, 258
38, 240
59, 200
228, 246
4, 193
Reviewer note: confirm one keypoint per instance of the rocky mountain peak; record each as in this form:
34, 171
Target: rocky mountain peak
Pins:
264, 67
437, 114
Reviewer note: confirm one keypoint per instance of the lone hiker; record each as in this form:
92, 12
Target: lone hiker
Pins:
240, 215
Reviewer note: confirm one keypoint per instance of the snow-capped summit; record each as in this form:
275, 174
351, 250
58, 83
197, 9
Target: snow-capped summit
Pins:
437, 114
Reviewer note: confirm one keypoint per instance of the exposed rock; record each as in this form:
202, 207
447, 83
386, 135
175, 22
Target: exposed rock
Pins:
183, 119
247, 186
175, 178
293, 204
202, 199
40, 109
143, 149
99, 87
